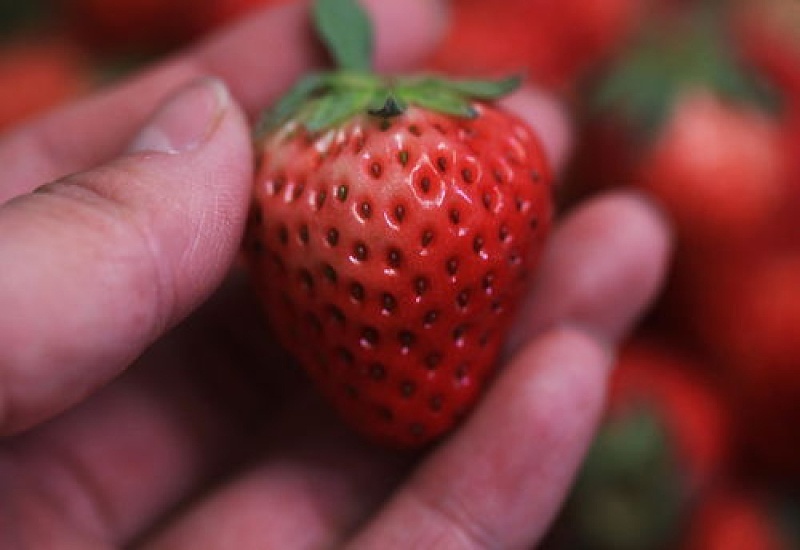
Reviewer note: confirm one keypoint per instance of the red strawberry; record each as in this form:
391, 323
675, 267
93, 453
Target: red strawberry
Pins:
672, 383
717, 168
745, 314
554, 42
731, 519
36, 74
680, 116
664, 440
394, 223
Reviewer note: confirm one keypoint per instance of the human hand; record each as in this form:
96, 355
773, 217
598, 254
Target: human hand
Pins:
129, 422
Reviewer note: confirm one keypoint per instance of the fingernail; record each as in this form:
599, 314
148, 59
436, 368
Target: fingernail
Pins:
186, 120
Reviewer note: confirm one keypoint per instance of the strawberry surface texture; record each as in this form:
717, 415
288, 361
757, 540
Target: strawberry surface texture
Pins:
390, 255
394, 225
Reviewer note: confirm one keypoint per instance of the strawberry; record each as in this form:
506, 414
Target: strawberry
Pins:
682, 118
744, 313
38, 73
393, 226
670, 381
663, 441
735, 519
734, 187
556, 43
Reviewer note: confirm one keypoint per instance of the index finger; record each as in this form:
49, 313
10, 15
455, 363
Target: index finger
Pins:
259, 58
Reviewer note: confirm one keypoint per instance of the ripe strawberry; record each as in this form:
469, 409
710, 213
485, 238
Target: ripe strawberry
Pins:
735, 519
717, 168
556, 43
745, 313
663, 441
682, 118
669, 381
393, 225
38, 73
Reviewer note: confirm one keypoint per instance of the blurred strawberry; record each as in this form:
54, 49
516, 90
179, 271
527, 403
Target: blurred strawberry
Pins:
745, 312
734, 519
681, 118
554, 43
671, 383
664, 440
36, 73
717, 168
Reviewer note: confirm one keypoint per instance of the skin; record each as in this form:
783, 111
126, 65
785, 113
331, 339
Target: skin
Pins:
142, 405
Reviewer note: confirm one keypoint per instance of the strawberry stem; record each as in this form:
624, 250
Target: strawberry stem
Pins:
322, 100
391, 107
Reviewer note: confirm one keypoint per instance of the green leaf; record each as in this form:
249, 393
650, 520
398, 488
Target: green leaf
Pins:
292, 102
346, 30
430, 94
337, 106
641, 87
451, 97
446, 103
664, 63
483, 89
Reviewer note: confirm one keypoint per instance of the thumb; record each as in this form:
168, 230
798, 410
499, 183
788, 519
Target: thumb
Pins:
98, 264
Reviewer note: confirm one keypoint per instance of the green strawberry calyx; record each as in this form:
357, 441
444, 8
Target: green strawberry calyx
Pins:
667, 60
629, 492
322, 100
